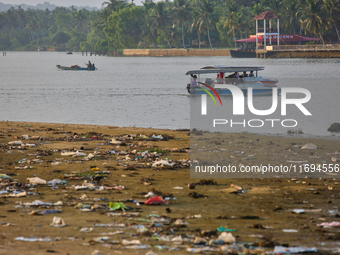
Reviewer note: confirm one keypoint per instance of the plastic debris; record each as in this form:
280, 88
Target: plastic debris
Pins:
36, 180
309, 146
58, 222
290, 230
86, 230
223, 229
37, 203
227, 237
298, 211
156, 201
131, 242
73, 153
334, 224
162, 163
282, 249
5, 177
118, 206
33, 239
151, 253
56, 182
180, 222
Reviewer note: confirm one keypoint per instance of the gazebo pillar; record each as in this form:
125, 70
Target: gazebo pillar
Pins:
264, 34
257, 30
278, 31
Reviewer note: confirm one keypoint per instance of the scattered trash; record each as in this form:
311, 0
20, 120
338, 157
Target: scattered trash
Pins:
290, 230
36, 180
5, 177
58, 222
118, 206
298, 211
131, 242
196, 195
33, 239
309, 146
282, 249
227, 237
86, 230
334, 224
223, 229
156, 201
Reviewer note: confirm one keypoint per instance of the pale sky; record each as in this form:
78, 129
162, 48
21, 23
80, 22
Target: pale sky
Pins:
66, 3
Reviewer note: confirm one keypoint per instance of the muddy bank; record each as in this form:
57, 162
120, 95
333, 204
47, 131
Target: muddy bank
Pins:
99, 166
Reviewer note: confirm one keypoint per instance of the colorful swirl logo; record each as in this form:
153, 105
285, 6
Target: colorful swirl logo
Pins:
213, 90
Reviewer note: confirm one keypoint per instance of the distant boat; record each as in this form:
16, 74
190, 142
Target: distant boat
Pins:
76, 68
70, 52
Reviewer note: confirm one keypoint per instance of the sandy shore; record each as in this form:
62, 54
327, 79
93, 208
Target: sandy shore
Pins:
118, 162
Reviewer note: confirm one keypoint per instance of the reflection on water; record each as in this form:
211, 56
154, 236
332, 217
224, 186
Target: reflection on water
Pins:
136, 91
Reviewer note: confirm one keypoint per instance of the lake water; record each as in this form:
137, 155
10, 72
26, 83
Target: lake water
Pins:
141, 91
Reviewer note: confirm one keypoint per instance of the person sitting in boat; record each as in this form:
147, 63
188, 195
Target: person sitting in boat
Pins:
220, 77
251, 74
89, 65
244, 75
193, 81
233, 75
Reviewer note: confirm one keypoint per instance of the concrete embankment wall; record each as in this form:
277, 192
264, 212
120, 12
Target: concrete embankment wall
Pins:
175, 52
304, 54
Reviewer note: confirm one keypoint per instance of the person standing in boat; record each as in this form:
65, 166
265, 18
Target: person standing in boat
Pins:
251, 74
89, 65
193, 81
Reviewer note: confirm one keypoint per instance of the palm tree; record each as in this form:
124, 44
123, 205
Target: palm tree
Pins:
275, 6
194, 24
113, 5
206, 17
231, 9
289, 10
160, 18
313, 17
333, 9
181, 13
149, 34
237, 24
80, 17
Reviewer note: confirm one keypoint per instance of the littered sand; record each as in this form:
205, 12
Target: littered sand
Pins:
259, 213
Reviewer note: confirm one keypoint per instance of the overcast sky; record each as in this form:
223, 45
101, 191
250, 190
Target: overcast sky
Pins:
91, 3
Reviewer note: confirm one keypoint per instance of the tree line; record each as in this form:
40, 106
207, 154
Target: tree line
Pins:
165, 24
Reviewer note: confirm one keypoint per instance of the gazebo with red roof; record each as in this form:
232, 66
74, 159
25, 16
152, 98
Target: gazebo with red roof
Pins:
270, 31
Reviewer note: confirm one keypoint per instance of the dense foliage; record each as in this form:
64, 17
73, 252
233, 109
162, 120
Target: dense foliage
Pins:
165, 24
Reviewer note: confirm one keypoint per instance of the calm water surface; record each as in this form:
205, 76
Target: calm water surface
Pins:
140, 91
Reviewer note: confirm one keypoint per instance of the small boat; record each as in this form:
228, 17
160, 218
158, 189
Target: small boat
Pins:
70, 52
76, 68
210, 77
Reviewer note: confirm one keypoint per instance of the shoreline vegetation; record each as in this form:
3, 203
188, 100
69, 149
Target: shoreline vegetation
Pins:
163, 25
91, 169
